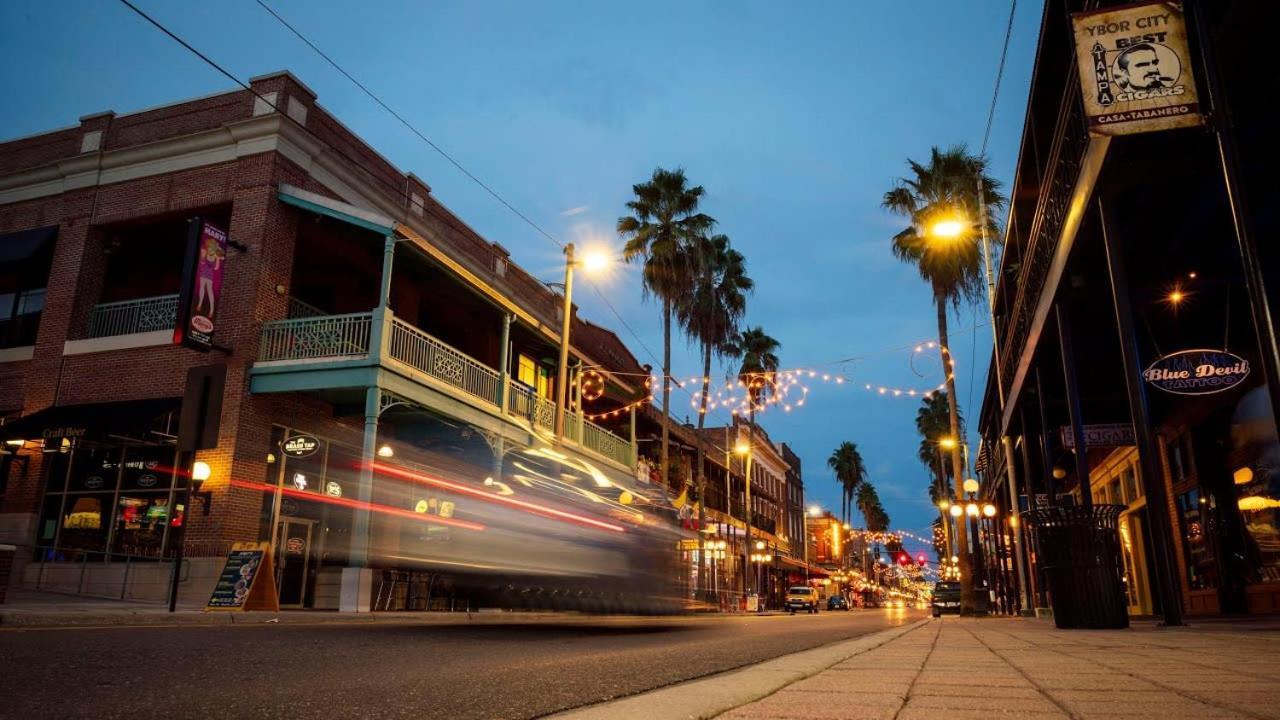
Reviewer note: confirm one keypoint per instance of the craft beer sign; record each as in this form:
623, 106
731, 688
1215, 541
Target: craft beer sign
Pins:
1135, 69
1197, 372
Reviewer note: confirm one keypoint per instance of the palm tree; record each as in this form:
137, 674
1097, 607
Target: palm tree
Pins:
933, 422
953, 183
850, 472
664, 219
758, 374
710, 312
873, 513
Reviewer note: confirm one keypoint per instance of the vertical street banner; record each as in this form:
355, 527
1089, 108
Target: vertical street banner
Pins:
1135, 69
200, 299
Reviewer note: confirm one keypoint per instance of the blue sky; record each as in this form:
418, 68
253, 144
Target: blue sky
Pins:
795, 117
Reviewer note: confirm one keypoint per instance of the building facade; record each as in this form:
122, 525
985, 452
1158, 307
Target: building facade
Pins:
1128, 260
390, 375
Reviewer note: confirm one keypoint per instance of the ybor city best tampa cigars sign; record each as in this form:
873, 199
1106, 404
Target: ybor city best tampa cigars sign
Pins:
1197, 372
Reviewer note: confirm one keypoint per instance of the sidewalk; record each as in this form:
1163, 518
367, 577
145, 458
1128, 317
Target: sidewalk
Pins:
954, 669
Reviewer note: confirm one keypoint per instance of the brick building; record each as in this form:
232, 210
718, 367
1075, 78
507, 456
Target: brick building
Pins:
409, 361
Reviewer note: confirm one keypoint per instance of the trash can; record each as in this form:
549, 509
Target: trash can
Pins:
1078, 549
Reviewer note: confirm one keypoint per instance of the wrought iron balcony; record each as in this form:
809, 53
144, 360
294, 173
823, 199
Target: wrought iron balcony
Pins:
134, 316
327, 338
1066, 156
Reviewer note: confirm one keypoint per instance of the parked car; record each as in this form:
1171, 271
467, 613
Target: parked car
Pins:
802, 597
946, 598
837, 602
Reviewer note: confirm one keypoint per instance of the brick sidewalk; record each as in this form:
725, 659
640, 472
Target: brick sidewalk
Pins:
956, 668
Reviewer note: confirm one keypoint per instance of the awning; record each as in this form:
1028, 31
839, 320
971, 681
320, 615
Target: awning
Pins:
813, 570
95, 421
23, 244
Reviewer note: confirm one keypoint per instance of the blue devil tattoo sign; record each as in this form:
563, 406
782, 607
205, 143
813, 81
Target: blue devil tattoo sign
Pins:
1197, 372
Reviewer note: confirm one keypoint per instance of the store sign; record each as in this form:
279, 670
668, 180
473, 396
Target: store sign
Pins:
94, 482
200, 299
147, 481
1135, 69
1197, 372
1102, 435
300, 446
332, 489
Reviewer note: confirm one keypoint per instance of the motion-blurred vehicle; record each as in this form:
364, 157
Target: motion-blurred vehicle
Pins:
946, 598
837, 602
802, 597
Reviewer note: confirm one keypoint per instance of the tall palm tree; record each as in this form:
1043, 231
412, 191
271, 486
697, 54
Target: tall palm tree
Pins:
933, 422
850, 472
758, 374
954, 184
664, 219
710, 311
873, 513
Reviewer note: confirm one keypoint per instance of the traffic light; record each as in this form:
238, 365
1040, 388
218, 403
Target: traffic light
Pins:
921, 560
904, 559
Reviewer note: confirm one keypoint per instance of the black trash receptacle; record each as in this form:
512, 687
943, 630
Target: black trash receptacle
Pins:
1078, 550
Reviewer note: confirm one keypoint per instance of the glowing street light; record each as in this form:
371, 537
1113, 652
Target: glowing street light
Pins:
948, 228
594, 261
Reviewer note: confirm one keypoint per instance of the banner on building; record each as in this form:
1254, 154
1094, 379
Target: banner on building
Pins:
1103, 435
1135, 69
200, 300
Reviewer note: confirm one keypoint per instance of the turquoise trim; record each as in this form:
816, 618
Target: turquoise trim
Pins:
335, 214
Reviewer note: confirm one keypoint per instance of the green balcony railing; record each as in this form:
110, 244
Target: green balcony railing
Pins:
133, 316
347, 336
604, 443
525, 403
424, 353
328, 336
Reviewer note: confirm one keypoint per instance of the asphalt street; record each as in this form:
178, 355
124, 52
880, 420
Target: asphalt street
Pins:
477, 670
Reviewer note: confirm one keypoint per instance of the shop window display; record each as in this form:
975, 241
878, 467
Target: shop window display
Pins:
1255, 476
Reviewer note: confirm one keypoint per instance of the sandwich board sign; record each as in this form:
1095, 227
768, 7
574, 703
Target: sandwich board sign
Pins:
247, 580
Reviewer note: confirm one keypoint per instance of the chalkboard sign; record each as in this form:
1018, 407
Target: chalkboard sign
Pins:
247, 581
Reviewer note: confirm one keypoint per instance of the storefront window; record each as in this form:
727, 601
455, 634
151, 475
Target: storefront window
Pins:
1255, 477
84, 522
141, 521
1194, 514
1130, 480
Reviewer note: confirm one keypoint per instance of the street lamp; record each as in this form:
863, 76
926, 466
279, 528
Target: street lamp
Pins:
594, 261
743, 447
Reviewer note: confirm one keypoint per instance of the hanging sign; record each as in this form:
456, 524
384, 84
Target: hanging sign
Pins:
247, 581
200, 300
1197, 372
1103, 435
300, 446
1135, 69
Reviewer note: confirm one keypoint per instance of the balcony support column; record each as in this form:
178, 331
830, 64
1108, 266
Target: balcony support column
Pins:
357, 577
504, 365
379, 331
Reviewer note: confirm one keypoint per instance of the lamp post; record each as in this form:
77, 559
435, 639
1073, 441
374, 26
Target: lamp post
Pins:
743, 448
594, 261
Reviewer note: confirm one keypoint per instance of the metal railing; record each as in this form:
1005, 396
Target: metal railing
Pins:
133, 316
329, 336
605, 443
525, 403
422, 352
300, 309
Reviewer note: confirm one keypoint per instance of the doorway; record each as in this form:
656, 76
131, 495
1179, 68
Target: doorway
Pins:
293, 560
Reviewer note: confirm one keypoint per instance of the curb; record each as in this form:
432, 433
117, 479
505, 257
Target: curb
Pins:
710, 696
22, 619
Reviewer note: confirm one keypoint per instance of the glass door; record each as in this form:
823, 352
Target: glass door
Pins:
293, 558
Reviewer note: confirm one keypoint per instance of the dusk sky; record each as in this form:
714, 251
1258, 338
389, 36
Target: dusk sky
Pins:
794, 117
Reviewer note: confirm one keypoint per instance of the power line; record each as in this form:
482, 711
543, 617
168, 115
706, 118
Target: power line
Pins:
493, 193
410, 126
1004, 52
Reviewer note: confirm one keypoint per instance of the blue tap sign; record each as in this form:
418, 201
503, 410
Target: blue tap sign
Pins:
1197, 372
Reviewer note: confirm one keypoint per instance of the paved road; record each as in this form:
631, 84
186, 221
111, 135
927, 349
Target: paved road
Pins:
479, 670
